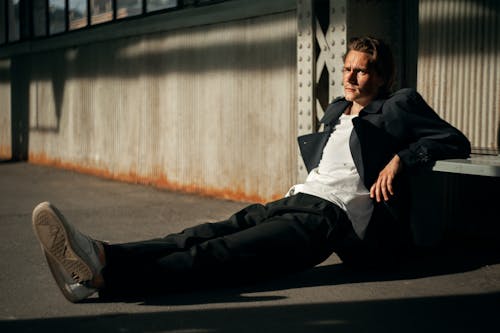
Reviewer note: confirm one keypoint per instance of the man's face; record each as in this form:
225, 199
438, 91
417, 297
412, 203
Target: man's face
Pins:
361, 83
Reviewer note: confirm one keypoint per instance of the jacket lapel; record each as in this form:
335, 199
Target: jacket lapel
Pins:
334, 111
311, 145
373, 107
354, 142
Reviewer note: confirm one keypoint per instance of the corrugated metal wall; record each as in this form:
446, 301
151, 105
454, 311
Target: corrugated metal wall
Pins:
5, 118
459, 66
209, 109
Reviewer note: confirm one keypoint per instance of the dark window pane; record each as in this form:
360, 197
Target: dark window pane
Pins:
102, 11
153, 5
57, 16
39, 18
3, 21
77, 14
207, 2
125, 8
13, 17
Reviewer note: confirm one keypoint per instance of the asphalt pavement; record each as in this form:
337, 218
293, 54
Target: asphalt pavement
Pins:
452, 289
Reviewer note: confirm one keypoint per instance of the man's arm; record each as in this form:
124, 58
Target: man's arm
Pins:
426, 138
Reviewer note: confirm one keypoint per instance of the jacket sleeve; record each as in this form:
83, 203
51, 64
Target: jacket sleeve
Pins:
425, 136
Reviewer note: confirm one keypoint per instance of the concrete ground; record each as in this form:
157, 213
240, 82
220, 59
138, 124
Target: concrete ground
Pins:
455, 290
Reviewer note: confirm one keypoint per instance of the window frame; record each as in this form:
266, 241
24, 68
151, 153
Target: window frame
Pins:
28, 31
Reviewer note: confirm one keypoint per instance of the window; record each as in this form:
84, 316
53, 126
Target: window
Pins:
102, 11
78, 17
57, 16
126, 8
27, 19
153, 5
39, 18
13, 17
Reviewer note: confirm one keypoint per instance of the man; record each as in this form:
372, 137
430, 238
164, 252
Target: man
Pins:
350, 202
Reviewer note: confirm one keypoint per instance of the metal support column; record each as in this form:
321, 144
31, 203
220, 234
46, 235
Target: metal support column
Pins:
306, 74
332, 46
319, 55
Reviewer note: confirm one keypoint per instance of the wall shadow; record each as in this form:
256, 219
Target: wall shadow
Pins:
475, 17
129, 59
20, 78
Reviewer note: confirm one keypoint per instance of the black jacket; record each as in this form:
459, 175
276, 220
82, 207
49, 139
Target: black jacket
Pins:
402, 124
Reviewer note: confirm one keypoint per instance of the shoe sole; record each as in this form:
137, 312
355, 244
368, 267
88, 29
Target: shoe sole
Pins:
72, 291
51, 229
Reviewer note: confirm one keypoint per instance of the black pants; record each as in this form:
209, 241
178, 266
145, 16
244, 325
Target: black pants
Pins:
287, 235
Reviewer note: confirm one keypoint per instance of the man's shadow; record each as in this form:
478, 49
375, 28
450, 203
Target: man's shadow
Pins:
449, 258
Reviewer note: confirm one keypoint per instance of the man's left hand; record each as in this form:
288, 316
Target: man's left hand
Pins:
382, 189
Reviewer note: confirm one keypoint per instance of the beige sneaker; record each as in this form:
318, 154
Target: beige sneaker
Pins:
73, 257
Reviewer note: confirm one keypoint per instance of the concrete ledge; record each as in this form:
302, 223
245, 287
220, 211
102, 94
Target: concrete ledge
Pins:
479, 165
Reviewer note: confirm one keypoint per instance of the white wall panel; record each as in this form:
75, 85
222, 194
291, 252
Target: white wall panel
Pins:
208, 109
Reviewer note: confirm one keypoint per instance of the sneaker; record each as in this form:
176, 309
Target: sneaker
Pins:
73, 257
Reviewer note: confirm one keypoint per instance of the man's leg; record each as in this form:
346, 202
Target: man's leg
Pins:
287, 235
148, 250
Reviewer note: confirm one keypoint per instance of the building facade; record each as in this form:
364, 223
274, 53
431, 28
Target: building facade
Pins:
208, 97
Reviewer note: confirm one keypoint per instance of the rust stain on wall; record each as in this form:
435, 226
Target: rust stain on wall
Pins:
5, 152
159, 180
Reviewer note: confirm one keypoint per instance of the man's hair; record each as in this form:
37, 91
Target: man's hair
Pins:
382, 60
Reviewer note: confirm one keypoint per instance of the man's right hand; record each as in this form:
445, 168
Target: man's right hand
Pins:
382, 189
